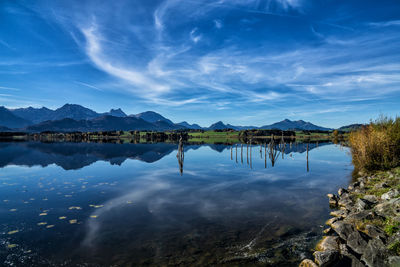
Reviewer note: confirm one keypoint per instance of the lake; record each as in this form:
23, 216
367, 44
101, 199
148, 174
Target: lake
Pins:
102, 204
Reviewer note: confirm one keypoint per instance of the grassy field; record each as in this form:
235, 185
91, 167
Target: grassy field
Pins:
214, 137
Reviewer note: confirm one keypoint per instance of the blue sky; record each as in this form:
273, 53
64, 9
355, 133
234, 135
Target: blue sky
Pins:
246, 62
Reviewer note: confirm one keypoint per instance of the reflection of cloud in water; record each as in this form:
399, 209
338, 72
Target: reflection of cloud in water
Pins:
199, 196
143, 189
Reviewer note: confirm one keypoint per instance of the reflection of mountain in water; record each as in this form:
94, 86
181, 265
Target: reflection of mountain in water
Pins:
72, 156
77, 155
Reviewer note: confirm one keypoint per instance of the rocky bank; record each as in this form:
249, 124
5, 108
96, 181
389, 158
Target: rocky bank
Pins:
365, 226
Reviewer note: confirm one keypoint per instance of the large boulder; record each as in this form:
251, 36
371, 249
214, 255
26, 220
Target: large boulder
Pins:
374, 232
349, 258
371, 198
343, 229
341, 213
326, 258
375, 253
356, 242
328, 243
363, 204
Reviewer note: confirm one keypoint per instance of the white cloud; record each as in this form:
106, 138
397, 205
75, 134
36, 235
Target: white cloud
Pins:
139, 80
218, 23
195, 36
385, 23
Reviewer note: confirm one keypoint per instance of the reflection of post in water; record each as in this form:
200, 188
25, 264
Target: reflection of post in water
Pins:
261, 150
308, 169
180, 155
273, 152
247, 157
251, 165
236, 153
283, 146
265, 154
241, 153
231, 152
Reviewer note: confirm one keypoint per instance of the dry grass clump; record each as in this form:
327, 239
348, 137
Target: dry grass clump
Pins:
377, 145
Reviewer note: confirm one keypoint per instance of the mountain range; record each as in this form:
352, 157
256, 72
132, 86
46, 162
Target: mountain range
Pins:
73, 117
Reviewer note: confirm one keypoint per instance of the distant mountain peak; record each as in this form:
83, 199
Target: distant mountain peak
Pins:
152, 116
117, 113
287, 124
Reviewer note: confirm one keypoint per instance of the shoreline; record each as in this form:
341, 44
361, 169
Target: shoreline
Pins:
365, 226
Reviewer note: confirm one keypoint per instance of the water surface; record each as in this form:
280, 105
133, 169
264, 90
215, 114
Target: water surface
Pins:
64, 204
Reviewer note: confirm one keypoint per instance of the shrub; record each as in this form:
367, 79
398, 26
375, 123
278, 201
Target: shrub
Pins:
376, 146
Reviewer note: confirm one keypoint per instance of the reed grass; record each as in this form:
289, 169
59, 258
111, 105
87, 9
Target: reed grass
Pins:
376, 146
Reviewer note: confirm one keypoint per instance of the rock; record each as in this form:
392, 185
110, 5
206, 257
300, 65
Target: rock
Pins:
331, 221
374, 232
345, 201
356, 242
363, 204
328, 231
375, 253
396, 219
359, 216
341, 191
391, 194
381, 185
352, 260
371, 198
308, 263
339, 213
388, 208
326, 258
343, 229
333, 200
328, 243
393, 261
